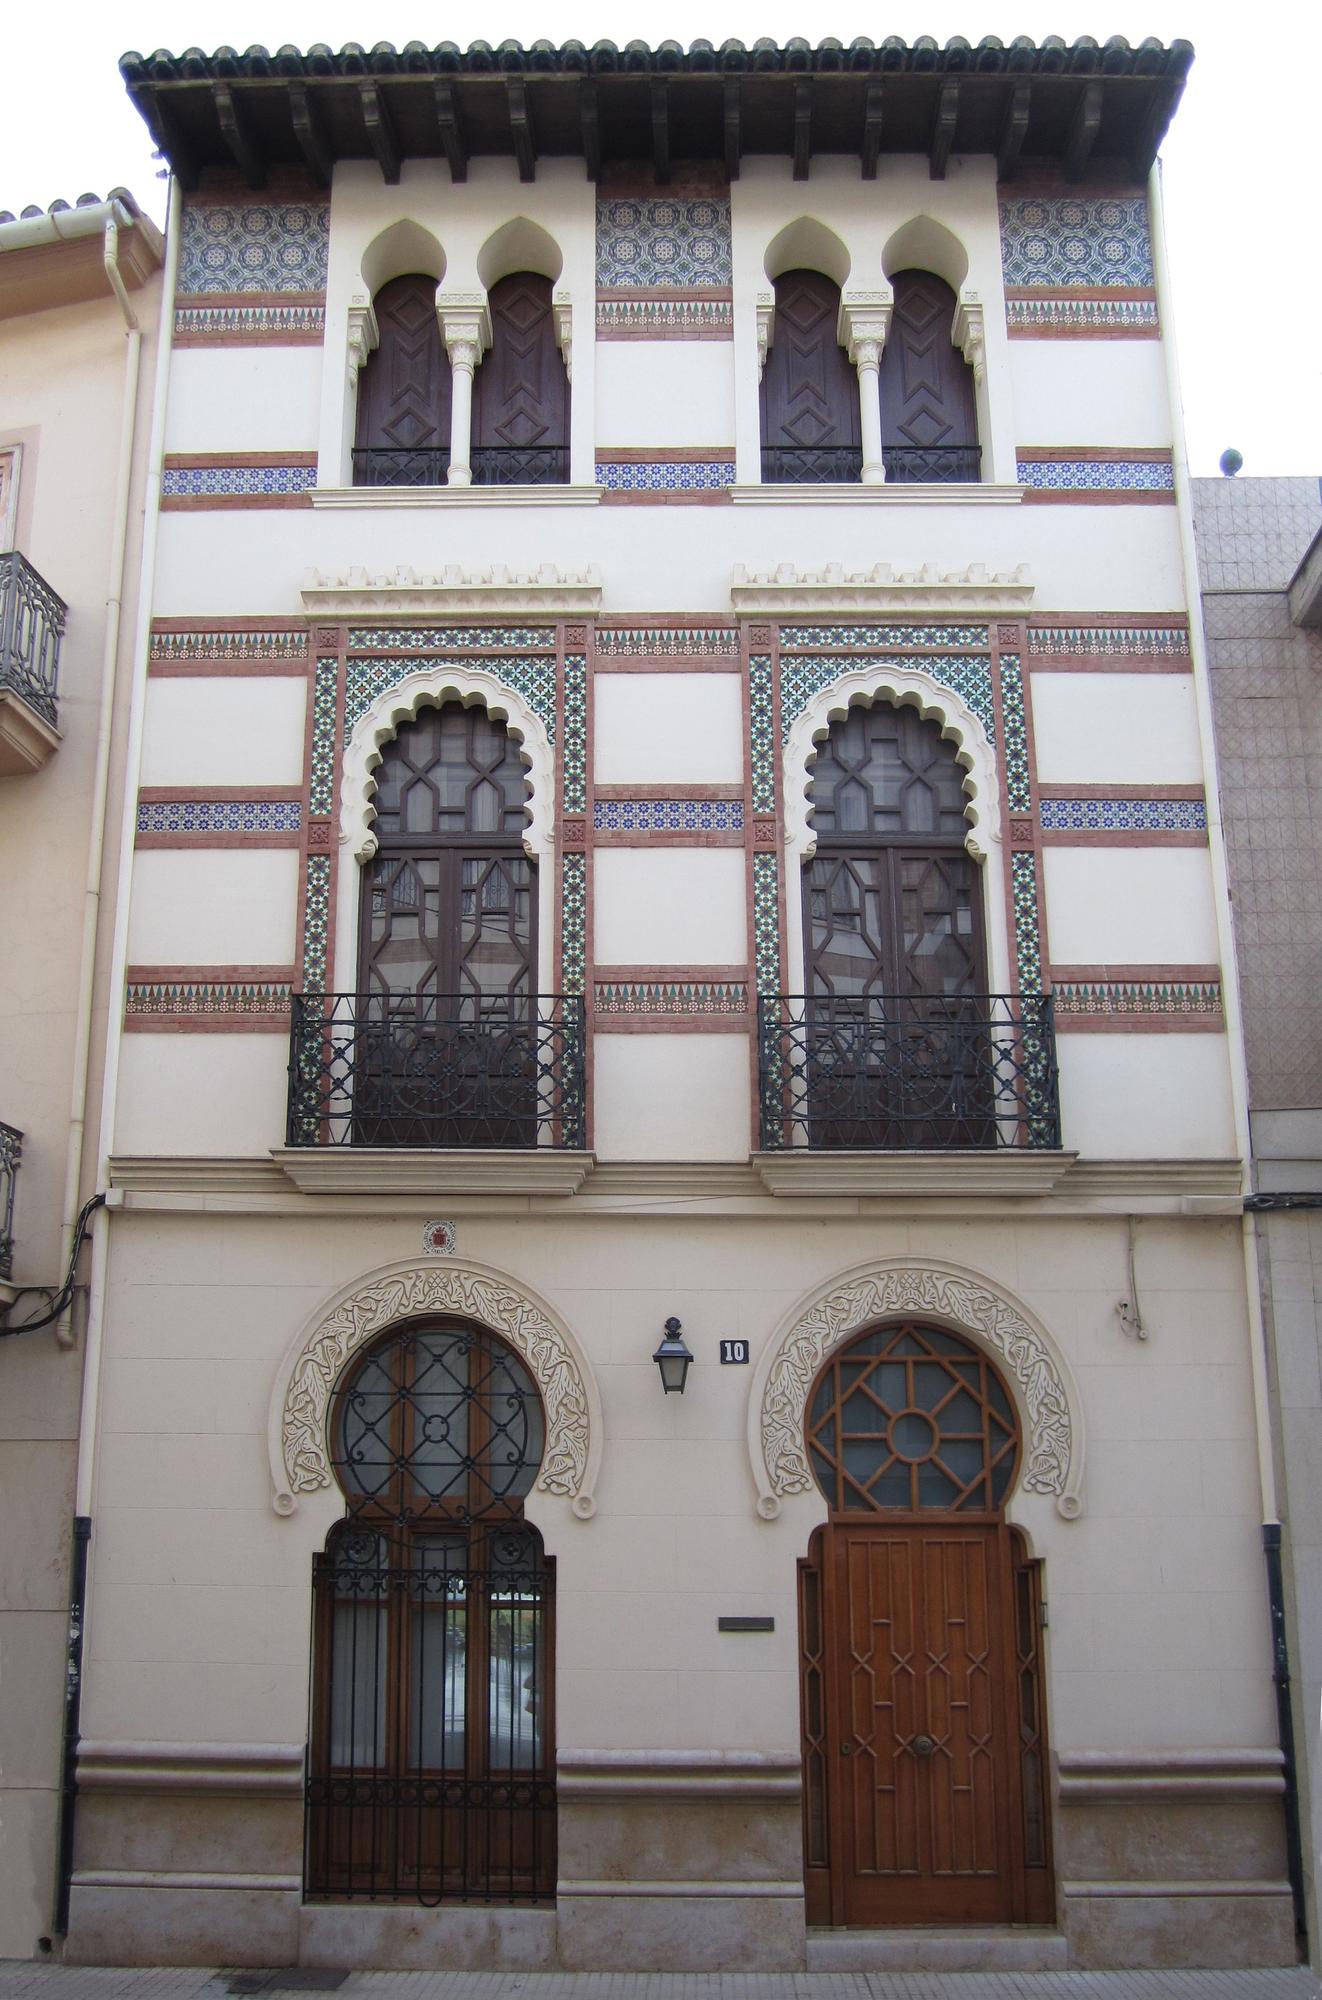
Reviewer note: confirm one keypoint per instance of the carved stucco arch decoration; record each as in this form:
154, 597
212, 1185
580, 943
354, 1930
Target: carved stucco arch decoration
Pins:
343, 1325
964, 1301
434, 682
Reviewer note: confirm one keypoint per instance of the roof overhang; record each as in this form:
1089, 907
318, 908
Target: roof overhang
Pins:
57, 257
1089, 110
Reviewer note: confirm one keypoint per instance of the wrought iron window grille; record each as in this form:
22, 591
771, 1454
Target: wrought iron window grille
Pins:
440, 1071
31, 628
939, 465
11, 1152
908, 1072
811, 465
381, 465
520, 464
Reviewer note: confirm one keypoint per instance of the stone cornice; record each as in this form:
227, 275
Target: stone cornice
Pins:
774, 593
355, 593
909, 1174
363, 1170
898, 493
386, 497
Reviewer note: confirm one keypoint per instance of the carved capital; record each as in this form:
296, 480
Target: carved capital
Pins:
766, 328
864, 322
562, 315
363, 334
968, 333
465, 328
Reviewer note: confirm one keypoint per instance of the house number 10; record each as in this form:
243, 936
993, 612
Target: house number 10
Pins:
733, 1352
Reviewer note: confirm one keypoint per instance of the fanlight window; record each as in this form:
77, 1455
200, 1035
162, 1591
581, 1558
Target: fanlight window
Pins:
912, 1419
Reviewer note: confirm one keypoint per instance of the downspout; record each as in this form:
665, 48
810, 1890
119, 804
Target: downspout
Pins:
73, 1159
89, 1409
1239, 1080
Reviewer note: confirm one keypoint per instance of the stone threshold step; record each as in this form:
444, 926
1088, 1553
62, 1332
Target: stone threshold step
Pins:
1013, 1948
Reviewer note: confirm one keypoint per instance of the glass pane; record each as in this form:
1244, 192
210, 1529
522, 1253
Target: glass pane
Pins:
516, 1676
437, 1682
358, 1684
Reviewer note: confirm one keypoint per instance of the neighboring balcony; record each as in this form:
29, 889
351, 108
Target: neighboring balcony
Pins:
399, 1077
11, 1152
492, 465
31, 627
908, 1073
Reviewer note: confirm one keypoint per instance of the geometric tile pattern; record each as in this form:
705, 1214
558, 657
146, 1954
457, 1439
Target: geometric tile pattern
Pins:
229, 322
667, 642
321, 796
1121, 815
1076, 240
185, 998
796, 636
220, 816
1116, 998
665, 318
670, 996
180, 647
459, 638
197, 481
1096, 475
766, 922
1027, 947
803, 676
251, 246
573, 923
316, 923
533, 679
762, 734
663, 241
1085, 315
673, 476
668, 815
573, 750
1110, 641
1018, 791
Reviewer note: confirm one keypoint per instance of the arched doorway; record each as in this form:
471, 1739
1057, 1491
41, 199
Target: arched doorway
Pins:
924, 1730
431, 1756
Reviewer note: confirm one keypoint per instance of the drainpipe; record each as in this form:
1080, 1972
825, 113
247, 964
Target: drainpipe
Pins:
1239, 1080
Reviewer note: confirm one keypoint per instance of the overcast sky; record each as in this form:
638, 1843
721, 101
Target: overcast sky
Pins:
1243, 203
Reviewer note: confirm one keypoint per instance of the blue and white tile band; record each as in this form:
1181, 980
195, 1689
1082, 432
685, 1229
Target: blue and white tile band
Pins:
1096, 475
669, 476
668, 815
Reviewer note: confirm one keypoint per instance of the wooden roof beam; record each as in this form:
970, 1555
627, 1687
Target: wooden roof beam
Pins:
168, 137
380, 132
1152, 125
872, 128
734, 138
589, 125
525, 152
943, 128
1014, 129
307, 131
1084, 127
237, 136
802, 127
447, 119
661, 130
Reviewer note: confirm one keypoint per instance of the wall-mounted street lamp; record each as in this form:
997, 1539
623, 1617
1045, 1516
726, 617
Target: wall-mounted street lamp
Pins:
673, 1359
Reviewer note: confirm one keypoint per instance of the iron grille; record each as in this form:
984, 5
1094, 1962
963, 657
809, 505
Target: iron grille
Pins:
31, 627
520, 465
942, 464
11, 1152
811, 465
908, 1073
382, 465
444, 1070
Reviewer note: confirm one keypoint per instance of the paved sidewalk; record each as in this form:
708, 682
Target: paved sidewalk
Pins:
20, 1980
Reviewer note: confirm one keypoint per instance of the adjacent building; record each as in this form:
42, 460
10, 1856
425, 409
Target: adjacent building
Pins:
673, 1371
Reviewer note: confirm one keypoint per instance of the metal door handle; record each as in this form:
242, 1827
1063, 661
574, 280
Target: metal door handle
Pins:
923, 1746
846, 1749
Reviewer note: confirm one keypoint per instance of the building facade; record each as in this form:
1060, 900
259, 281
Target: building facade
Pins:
674, 823
79, 300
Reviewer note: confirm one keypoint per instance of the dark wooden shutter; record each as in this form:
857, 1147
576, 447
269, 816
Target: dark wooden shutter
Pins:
810, 408
929, 423
521, 394
403, 436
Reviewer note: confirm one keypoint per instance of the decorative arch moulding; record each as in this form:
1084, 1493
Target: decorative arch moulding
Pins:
963, 1301
356, 593
298, 1447
834, 590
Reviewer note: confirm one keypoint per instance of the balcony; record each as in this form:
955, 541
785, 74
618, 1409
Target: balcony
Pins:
520, 464
973, 1073
380, 465
821, 465
31, 627
11, 1151
401, 1079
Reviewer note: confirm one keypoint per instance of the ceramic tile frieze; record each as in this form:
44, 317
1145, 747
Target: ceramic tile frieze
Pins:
1027, 944
804, 675
573, 923
254, 246
219, 481
186, 999
1122, 815
1018, 784
1076, 240
316, 923
574, 749
1096, 475
185, 816
450, 638
766, 923
762, 734
1105, 641
204, 649
649, 317
1064, 314
240, 324
797, 637
668, 815
321, 796
663, 240
1118, 999
675, 475
665, 642
669, 996
533, 679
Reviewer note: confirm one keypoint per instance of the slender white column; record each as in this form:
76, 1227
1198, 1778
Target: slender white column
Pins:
865, 319
466, 331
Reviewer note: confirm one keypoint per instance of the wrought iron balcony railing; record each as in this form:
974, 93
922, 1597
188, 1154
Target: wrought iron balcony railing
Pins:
381, 465
819, 465
448, 1070
11, 1152
910, 1073
943, 464
520, 465
31, 627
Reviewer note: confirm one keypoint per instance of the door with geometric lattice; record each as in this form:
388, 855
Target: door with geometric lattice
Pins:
924, 1739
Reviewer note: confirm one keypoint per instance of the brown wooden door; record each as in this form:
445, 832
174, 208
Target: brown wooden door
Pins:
929, 423
810, 406
403, 433
521, 392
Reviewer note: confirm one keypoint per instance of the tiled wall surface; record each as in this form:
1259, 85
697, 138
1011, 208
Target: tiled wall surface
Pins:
663, 241
254, 247
1252, 532
1076, 240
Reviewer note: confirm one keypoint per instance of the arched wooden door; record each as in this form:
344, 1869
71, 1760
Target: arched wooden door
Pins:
929, 419
521, 391
810, 409
924, 1732
403, 429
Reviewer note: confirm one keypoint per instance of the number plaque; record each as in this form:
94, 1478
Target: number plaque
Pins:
733, 1353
